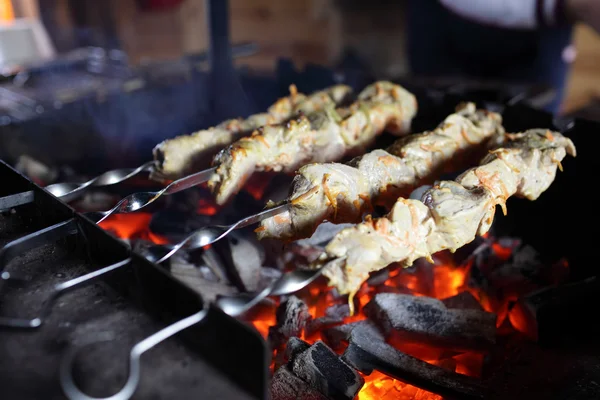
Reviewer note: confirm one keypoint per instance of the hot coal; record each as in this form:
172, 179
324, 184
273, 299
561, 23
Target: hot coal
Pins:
336, 336
559, 313
334, 315
291, 318
325, 370
463, 301
287, 386
471, 250
379, 277
427, 320
368, 351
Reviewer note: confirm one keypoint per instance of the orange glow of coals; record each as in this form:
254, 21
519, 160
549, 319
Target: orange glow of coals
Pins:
502, 252
381, 387
521, 320
448, 281
257, 185
206, 207
262, 326
441, 280
132, 226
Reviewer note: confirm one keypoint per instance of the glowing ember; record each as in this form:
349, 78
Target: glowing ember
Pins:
132, 226
257, 185
441, 280
206, 207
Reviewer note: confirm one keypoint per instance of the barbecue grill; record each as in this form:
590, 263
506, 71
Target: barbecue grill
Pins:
75, 300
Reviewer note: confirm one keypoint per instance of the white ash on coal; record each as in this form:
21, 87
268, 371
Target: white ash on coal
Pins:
326, 371
314, 372
427, 320
291, 318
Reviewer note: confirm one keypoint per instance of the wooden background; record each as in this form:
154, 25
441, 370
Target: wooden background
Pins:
306, 31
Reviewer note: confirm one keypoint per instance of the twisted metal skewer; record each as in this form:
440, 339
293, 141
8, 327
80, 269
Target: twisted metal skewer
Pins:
208, 235
288, 283
69, 191
139, 200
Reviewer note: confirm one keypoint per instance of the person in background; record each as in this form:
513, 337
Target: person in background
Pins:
525, 41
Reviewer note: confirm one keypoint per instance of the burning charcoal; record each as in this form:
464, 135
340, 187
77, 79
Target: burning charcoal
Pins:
463, 301
509, 242
335, 336
294, 347
291, 316
379, 277
368, 351
523, 263
287, 386
558, 313
176, 221
427, 320
334, 314
471, 250
325, 371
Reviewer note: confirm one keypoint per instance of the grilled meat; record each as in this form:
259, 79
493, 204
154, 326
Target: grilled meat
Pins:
186, 154
343, 193
450, 214
322, 136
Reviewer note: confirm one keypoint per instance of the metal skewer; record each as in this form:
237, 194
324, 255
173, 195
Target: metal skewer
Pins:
69, 191
139, 200
209, 235
235, 306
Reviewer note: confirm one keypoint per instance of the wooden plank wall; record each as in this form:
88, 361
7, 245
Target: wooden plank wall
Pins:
299, 29
584, 77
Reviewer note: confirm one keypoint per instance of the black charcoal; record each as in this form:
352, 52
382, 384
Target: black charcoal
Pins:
334, 315
287, 386
368, 351
294, 347
337, 335
379, 277
242, 260
291, 318
325, 371
463, 301
427, 320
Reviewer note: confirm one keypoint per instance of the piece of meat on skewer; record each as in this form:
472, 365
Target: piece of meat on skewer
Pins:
450, 214
323, 136
343, 193
187, 154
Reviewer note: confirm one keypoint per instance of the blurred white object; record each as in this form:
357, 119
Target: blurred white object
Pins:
24, 41
514, 14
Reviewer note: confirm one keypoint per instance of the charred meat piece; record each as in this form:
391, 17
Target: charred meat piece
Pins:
186, 154
342, 193
322, 136
450, 214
